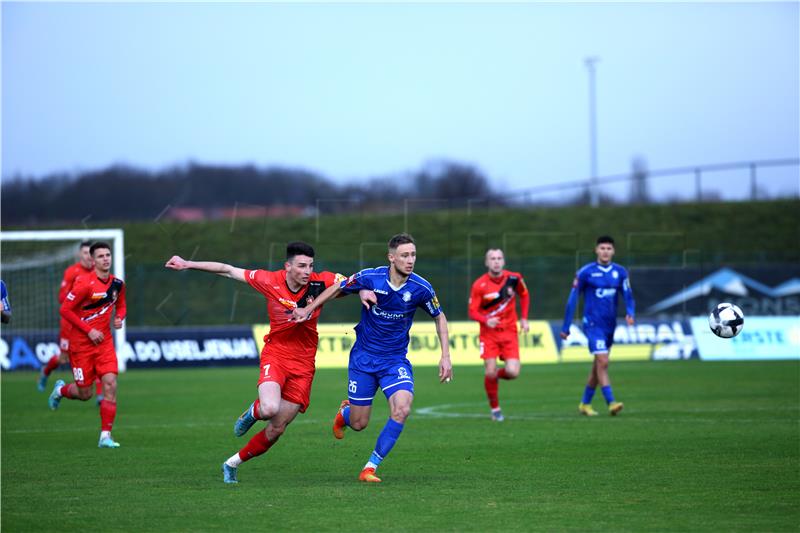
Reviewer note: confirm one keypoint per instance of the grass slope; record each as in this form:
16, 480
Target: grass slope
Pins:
700, 447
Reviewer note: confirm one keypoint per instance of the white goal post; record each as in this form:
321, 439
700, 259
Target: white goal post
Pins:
115, 237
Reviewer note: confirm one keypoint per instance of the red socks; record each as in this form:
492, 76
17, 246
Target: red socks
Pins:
258, 444
52, 364
108, 411
257, 410
491, 391
98, 388
501, 374
69, 391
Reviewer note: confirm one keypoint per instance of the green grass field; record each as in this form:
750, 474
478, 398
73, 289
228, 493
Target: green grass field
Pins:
699, 447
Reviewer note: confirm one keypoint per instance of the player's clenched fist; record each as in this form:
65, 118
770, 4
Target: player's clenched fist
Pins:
177, 262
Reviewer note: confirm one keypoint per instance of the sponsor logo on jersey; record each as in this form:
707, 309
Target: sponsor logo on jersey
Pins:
597, 274
252, 274
377, 311
491, 296
380, 291
289, 304
605, 293
98, 295
70, 297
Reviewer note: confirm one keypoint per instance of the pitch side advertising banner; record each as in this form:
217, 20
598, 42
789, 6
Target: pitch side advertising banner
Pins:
762, 338
174, 347
335, 341
645, 340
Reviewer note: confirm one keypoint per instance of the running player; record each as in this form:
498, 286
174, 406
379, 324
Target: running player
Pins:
600, 283
88, 306
287, 360
492, 303
378, 357
83, 266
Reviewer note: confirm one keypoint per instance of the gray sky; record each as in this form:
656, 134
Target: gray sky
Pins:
360, 90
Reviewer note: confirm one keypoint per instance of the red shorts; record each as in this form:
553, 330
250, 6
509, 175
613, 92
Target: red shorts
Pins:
63, 336
295, 382
90, 362
502, 346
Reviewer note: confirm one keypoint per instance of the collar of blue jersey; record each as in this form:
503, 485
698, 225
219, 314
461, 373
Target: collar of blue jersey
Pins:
605, 268
389, 280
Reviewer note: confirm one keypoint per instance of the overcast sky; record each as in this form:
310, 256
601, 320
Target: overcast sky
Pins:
359, 90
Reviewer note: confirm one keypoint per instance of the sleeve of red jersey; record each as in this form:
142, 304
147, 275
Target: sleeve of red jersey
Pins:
524, 298
474, 306
72, 302
258, 279
121, 306
66, 284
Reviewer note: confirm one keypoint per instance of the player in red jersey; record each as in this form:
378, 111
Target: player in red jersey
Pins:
492, 303
88, 307
83, 266
287, 360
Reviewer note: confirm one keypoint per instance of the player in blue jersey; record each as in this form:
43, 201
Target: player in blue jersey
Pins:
378, 357
600, 283
5, 305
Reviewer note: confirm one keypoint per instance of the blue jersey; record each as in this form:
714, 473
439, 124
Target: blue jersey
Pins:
600, 286
382, 331
4, 296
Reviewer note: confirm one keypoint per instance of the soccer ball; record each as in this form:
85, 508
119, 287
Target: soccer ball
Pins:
726, 320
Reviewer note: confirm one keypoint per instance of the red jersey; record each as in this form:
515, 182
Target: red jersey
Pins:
88, 306
495, 297
291, 339
70, 273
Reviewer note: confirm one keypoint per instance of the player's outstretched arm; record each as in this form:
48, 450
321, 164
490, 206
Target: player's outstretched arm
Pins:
225, 270
300, 314
572, 303
445, 366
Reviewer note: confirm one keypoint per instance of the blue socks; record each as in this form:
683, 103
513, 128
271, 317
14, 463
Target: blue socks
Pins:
588, 394
346, 415
607, 394
389, 435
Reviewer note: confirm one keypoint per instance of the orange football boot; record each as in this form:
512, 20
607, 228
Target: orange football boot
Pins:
338, 421
368, 475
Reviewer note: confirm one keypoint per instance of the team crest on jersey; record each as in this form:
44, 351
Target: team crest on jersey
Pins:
614, 274
407, 296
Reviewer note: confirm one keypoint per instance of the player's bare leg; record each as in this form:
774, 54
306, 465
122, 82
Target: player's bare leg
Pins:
108, 410
399, 409
601, 370
264, 408
263, 440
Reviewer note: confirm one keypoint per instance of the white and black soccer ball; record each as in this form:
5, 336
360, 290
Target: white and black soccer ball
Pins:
726, 320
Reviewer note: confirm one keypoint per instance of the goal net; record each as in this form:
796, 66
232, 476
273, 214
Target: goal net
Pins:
32, 265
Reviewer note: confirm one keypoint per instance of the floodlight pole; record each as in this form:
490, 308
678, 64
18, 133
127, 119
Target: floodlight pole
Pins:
594, 192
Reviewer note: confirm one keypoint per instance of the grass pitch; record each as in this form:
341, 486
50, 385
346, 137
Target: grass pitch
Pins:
699, 447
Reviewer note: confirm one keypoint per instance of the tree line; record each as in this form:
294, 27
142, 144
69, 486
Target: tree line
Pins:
122, 192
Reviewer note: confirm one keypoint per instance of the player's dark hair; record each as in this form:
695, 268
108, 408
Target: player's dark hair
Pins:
97, 246
298, 248
400, 238
84, 244
605, 239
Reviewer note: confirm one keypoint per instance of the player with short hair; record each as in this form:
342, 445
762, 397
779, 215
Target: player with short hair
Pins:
287, 359
88, 307
378, 357
82, 266
5, 304
600, 283
492, 303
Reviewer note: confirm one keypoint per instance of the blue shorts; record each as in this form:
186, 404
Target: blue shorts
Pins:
600, 339
366, 373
